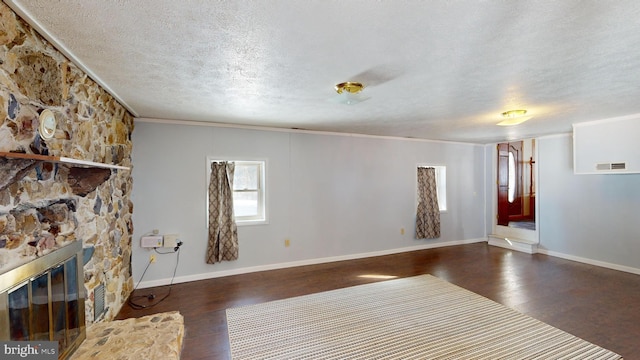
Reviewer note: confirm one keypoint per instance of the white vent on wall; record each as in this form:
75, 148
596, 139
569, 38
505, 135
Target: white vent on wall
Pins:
611, 166
619, 166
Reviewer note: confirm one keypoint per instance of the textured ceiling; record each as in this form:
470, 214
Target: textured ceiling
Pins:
432, 69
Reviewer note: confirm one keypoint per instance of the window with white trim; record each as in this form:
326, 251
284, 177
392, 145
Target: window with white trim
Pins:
248, 191
249, 195
441, 185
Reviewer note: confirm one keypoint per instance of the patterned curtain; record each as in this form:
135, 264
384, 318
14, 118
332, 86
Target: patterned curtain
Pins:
428, 213
223, 234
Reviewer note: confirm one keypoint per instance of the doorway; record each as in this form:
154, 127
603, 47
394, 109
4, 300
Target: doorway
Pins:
516, 184
515, 199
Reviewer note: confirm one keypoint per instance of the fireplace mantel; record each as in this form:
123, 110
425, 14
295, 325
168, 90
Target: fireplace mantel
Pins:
60, 159
87, 174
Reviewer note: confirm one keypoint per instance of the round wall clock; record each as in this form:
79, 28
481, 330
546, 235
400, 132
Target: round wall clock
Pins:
47, 124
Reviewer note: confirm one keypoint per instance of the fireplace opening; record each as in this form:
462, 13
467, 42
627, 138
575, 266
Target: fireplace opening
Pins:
43, 300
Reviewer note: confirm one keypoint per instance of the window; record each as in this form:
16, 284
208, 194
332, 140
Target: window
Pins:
512, 178
249, 205
441, 185
248, 191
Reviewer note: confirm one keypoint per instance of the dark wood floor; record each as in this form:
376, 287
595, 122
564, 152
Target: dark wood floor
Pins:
599, 305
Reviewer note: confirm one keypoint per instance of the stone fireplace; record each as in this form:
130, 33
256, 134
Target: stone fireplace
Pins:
43, 300
48, 205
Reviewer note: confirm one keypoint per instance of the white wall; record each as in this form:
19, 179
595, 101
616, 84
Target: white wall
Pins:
592, 217
332, 195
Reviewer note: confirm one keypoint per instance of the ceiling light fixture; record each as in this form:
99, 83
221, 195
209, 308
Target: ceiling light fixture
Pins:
349, 92
350, 87
513, 113
514, 117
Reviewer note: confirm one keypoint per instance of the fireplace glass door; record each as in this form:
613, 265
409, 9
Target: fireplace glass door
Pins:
47, 307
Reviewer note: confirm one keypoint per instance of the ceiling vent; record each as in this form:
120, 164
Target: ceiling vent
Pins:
611, 166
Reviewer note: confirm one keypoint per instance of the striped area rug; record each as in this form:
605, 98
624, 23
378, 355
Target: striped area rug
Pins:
421, 317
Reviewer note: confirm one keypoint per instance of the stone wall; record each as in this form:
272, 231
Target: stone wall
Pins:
44, 206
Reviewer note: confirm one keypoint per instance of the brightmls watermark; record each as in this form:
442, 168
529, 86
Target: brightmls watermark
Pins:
31, 350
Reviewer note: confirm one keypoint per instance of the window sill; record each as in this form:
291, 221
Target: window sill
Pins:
251, 222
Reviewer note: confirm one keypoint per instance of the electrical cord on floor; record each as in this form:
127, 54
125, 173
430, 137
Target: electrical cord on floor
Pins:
150, 297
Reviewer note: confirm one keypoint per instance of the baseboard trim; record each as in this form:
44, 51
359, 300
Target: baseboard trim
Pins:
511, 243
251, 269
599, 263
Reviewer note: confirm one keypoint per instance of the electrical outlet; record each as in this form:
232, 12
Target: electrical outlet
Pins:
152, 258
287, 242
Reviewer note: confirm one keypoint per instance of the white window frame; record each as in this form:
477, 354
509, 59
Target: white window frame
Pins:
259, 219
441, 184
